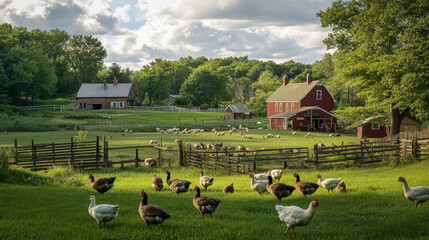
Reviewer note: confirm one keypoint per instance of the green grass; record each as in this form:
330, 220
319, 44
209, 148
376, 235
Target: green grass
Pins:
373, 208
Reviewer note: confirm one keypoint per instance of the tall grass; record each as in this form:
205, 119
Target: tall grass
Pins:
373, 208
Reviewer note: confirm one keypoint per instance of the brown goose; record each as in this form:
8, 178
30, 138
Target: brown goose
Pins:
305, 188
151, 214
102, 185
169, 181
279, 190
228, 188
179, 186
205, 181
157, 183
205, 204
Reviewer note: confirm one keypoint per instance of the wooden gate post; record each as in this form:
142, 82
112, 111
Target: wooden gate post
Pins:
106, 153
97, 151
16, 151
137, 157
316, 156
181, 162
34, 154
71, 153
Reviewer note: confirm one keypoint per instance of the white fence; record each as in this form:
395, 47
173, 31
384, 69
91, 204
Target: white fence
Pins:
48, 107
176, 109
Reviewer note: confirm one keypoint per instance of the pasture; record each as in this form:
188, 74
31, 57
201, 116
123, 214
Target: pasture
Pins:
54, 205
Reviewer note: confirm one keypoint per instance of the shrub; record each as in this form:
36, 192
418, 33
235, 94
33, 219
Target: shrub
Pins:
4, 158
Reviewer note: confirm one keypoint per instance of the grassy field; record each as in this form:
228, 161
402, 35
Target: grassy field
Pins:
373, 208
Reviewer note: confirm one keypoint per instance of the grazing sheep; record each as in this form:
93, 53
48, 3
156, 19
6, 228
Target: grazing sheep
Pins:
220, 134
153, 141
309, 133
233, 129
241, 148
126, 130
230, 131
331, 135
177, 140
196, 146
158, 130
248, 149
277, 136
269, 135
321, 144
293, 133
260, 129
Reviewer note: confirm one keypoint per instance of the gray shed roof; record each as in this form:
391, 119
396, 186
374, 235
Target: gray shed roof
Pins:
238, 108
99, 90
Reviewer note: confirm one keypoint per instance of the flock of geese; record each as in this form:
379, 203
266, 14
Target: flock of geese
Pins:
292, 216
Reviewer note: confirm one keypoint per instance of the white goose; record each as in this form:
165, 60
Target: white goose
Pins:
102, 212
418, 195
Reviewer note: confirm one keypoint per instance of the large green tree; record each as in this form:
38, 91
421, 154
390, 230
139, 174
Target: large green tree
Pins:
85, 55
384, 46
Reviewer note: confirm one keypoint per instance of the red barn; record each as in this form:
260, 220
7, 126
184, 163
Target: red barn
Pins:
372, 127
302, 106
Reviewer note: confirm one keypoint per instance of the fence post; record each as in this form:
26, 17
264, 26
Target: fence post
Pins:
316, 155
159, 155
180, 153
71, 152
53, 154
137, 157
361, 153
16, 151
97, 151
414, 146
106, 153
34, 155
254, 162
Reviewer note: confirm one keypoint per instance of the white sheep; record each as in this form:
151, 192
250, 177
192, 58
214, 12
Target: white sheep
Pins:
153, 141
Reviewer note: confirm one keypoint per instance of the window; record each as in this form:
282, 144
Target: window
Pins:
287, 107
319, 94
281, 107
121, 104
321, 123
292, 107
276, 107
113, 104
375, 126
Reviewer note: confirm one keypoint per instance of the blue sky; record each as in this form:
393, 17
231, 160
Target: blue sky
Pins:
135, 32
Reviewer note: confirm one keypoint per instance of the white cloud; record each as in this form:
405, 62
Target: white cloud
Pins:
278, 30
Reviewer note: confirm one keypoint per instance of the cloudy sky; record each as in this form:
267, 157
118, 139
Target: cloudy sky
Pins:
134, 32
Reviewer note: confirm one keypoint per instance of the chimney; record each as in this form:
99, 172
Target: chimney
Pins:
115, 81
285, 80
105, 85
309, 78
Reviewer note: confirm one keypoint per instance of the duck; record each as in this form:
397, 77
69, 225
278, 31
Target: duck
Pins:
151, 214
170, 180
157, 183
261, 176
305, 188
229, 188
180, 186
259, 186
102, 185
205, 205
418, 195
295, 216
102, 212
329, 184
279, 190
205, 181
341, 187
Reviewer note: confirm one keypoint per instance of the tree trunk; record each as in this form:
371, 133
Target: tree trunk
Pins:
396, 118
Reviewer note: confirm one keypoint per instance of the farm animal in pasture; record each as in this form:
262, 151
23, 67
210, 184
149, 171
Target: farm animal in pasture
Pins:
151, 214
305, 188
157, 183
276, 174
205, 205
170, 180
295, 216
320, 144
418, 195
241, 147
261, 176
341, 187
259, 186
102, 185
329, 184
228, 188
279, 190
205, 181
102, 213
179, 186
293, 133
153, 141
150, 162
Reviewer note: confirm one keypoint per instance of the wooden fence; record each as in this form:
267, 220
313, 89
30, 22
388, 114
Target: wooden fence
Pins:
44, 155
243, 161
363, 153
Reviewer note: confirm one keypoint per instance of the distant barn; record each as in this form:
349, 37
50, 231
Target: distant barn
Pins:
233, 112
106, 95
410, 124
372, 127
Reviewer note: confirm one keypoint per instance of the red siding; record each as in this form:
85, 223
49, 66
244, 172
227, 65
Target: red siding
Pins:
326, 103
366, 131
272, 107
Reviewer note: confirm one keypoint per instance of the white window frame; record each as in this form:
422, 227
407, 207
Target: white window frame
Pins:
121, 104
287, 107
375, 124
292, 107
318, 94
113, 105
281, 107
276, 107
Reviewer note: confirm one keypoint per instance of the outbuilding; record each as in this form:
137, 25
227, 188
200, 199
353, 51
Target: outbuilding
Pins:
233, 112
372, 127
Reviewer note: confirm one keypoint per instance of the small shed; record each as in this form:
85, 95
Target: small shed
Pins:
372, 127
233, 112
410, 124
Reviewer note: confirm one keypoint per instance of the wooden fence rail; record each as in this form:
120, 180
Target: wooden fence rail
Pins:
42, 156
